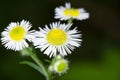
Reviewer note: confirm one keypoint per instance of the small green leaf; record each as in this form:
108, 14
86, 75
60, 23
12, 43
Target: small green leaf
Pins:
33, 66
48, 61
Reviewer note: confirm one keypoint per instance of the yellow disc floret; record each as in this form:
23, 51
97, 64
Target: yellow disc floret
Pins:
56, 37
71, 12
17, 33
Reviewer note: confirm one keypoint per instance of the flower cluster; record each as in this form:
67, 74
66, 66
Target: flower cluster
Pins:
55, 40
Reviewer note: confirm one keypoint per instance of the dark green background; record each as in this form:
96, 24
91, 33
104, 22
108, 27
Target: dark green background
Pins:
98, 58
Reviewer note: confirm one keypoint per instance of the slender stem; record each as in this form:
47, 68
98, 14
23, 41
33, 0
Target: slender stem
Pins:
70, 20
48, 74
49, 77
36, 59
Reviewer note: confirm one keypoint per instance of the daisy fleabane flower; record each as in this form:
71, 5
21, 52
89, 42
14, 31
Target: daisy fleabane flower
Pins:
57, 38
15, 35
65, 13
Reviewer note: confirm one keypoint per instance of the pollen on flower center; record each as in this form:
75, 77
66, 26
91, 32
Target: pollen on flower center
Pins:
17, 33
56, 37
71, 12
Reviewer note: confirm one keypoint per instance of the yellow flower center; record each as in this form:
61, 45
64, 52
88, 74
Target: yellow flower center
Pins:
72, 12
17, 33
56, 37
62, 66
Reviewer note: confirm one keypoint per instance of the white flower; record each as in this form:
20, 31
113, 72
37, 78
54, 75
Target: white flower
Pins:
15, 35
65, 13
57, 39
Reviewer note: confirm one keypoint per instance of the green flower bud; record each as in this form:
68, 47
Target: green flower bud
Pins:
59, 65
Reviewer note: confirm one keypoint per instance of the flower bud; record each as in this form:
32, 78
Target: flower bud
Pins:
59, 65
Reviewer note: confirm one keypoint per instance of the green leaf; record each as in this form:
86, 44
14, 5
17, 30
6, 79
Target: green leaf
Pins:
33, 66
48, 61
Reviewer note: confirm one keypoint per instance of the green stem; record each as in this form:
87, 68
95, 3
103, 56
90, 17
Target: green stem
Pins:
37, 60
70, 20
49, 77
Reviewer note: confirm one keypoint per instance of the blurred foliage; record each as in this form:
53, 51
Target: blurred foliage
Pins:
98, 58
